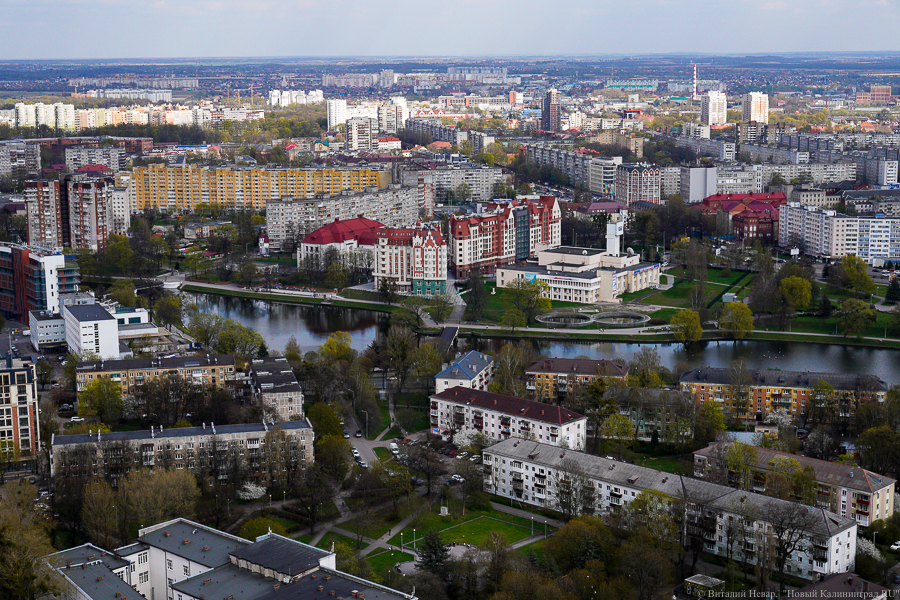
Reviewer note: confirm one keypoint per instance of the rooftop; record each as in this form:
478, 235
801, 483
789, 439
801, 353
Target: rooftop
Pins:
510, 405
848, 476
282, 555
579, 366
181, 432
788, 379
86, 553
192, 541
843, 585
96, 580
176, 362
467, 367
576, 251
89, 312
360, 229
227, 581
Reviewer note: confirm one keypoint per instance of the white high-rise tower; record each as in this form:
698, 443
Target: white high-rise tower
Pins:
713, 108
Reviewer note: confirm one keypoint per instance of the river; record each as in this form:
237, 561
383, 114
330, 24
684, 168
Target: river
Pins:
311, 325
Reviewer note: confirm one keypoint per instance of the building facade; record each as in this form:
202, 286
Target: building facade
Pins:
20, 434
351, 237
474, 370
90, 212
290, 220
505, 233
636, 182
550, 111
740, 525
415, 259
830, 234
173, 188
47, 217
109, 156
276, 389
792, 391
713, 108
554, 380
206, 370
755, 107
845, 490
361, 133
91, 330
501, 417
33, 278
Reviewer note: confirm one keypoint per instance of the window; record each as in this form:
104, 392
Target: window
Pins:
187, 571
169, 564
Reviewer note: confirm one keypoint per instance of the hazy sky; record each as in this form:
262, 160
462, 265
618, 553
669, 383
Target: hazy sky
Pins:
60, 29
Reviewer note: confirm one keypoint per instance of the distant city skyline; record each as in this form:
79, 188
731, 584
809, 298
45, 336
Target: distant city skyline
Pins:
76, 29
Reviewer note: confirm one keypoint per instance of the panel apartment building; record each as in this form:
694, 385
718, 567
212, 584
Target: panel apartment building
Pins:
506, 232
830, 234
594, 173
33, 278
555, 379
172, 188
574, 482
211, 450
501, 417
109, 156
392, 206
415, 259
787, 390
20, 435
845, 490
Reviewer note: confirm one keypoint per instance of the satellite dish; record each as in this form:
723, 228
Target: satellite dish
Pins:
630, 252
584, 252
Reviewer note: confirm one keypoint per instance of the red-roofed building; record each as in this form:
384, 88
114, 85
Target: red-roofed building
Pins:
415, 259
100, 170
388, 143
500, 417
507, 232
715, 200
346, 237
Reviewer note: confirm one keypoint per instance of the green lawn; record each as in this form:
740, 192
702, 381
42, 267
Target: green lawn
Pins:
500, 301
663, 313
476, 532
383, 454
305, 538
714, 275
382, 562
678, 466
376, 427
412, 419
815, 324
328, 538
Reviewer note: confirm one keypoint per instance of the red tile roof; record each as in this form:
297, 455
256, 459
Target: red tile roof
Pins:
360, 229
87, 168
510, 405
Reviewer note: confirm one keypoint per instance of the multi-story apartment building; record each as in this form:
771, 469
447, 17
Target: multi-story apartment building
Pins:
480, 180
755, 107
361, 133
717, 148
47, 216
392, 117
108, 156
210, 450
741, 525
775, 154
713, 108
474, 370
19, 159
637, 182
793, 391
550, 111
602, 174
620, 137
295, 218
830, 234
90, 212
203, 369
174, 188
577, 165
437, 131
276, 389
353, 236
669, 181
500, 417
422, 180
845, 490
814, 173
33, 278
20, 435
697, 130
190, 561
415, 259
881, 172
120, 210
505, 233
555, 379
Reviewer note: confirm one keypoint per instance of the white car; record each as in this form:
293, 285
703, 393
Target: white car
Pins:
354, 451
895, 546
77, 419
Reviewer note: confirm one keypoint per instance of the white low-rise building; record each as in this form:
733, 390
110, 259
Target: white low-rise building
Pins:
90, 329
500, 417
475, 370
738, 524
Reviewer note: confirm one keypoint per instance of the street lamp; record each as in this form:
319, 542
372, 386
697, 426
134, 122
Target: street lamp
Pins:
414, 539
532, 526
367, 421
270, 499
283, 497
401, 541
545, 529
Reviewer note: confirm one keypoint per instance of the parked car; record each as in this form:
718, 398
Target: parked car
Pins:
359, 433
895, 546
346, 434
461, 455
354, 451
363, 464
77, 419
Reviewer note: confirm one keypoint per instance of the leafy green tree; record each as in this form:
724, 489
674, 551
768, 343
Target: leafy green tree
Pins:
441, 307
528, 297
206, 328
387, 290
336, 276
167, 310
855, 317
477, 296
434, 555
338, 347
878, 448
856, 274
686, 326
123, 292
101, 397
43, 373
512, 319
737, 320
797, 291
254, 528
619, 429
710, 421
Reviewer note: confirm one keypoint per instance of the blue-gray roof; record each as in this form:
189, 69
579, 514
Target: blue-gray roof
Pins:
282, 555
97, 581
134, 436
467, 367
194, 542
86, 553
226, 581
90, 312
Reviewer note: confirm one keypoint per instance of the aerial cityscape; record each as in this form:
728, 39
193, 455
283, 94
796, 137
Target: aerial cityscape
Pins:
553, 322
